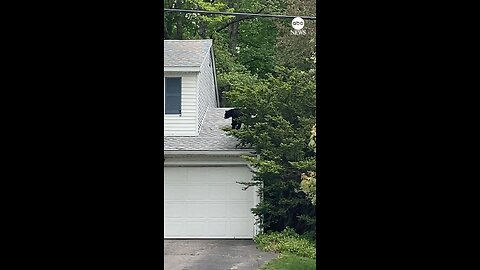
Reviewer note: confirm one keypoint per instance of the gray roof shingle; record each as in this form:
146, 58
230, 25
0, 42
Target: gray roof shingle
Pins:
185, 53
211, 136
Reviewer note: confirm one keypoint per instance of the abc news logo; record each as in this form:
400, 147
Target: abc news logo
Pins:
298, 24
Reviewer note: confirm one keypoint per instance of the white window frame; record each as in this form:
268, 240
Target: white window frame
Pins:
165, 96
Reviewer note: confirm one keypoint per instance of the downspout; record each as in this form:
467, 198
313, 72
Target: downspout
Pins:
215, 75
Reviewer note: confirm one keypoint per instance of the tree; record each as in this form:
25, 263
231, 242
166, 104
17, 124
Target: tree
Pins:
309, 179
297, 50
284, 108
179, 25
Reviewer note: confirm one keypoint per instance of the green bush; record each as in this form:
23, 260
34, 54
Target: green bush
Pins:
284, 107
287, 241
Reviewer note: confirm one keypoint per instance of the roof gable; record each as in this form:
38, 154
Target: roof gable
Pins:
185, 53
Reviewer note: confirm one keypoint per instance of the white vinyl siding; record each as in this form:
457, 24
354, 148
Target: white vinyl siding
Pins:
184, 124
207, 92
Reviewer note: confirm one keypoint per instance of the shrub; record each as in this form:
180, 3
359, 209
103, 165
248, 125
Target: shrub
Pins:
283, 104
287, 241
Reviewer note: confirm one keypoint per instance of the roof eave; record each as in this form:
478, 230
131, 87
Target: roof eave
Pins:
181, 69
222, 153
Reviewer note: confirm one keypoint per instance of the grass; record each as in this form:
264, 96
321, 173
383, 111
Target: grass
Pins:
290, 262
297, 252
287, 242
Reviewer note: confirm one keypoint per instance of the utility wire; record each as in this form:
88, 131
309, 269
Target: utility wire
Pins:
238, 13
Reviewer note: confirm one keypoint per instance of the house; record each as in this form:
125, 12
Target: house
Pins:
202, 164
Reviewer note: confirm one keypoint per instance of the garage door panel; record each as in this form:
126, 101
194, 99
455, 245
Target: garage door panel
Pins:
197, 210
176, 192
180, 175
218, 192
241, 228
174, 210
194, 172
236, 193
196, 192
174, 228
196, 228
239, 210
217, 210
207, 203
218, 229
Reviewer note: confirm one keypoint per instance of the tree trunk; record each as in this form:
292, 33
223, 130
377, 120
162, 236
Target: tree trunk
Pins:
168, 20
233, 35
165, 31
179, 20
233, 30
202, 31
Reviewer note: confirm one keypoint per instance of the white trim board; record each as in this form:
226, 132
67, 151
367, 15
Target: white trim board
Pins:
181, 69
218, 153
205, 161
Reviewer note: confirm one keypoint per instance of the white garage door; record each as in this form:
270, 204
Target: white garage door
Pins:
206, 202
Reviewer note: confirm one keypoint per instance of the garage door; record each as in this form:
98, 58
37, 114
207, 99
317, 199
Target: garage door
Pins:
206, 202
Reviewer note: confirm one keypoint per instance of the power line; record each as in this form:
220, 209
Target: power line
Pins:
238, 13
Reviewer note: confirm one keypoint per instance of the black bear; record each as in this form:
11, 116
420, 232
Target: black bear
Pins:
235, 114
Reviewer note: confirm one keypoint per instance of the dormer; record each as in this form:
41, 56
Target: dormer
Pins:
189, 83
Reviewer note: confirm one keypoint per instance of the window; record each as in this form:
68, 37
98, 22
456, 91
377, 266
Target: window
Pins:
173, 95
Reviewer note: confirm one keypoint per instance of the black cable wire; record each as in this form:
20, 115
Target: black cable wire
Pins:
238, 13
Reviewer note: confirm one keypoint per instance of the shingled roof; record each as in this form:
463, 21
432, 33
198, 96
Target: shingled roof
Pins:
185, 53
211, 136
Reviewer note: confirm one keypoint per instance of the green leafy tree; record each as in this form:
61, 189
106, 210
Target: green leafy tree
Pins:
180, 26
309, 179
297, 51
283, 106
